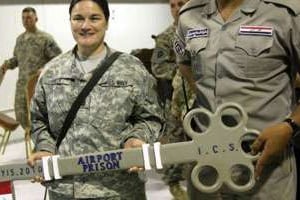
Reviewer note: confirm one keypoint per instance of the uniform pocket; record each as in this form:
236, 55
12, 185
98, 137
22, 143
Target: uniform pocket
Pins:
61, 94
196, 47
252, 56
254, 45
115, 95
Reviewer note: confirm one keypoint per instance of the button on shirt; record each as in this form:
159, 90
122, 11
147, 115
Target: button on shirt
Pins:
248, 59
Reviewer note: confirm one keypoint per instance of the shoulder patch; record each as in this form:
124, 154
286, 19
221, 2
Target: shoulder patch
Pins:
193, 4
179, 47
293, 5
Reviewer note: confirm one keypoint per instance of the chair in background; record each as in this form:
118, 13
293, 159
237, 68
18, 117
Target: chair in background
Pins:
8, 124
30, 88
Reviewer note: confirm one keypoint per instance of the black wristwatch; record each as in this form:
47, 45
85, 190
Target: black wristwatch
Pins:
293, 124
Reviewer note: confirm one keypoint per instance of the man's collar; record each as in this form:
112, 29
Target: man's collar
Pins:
247, 7
34, 30
250, 6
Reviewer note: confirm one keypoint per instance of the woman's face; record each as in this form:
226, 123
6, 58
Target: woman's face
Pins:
88, 25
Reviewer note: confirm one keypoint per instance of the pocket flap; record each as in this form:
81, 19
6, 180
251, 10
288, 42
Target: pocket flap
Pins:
196, 44
254, 45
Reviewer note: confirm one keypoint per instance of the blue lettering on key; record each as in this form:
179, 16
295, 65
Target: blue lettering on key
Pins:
100, 162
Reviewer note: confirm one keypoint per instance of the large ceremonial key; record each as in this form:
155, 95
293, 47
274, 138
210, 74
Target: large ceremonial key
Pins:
217, 146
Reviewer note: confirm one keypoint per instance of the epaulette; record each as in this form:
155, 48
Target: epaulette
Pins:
293, 5
193, 4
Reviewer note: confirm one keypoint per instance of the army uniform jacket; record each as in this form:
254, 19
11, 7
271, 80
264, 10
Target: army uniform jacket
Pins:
163, 59
32, 51
122, 105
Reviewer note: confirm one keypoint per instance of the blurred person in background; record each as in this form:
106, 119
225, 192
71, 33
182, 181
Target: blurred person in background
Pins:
174, 94
33, 49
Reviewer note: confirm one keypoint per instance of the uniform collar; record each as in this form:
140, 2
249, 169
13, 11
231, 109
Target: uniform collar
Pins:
210, 7
109, 51
248, 6
75, 72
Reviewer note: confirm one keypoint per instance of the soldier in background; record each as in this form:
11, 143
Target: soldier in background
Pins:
176, 99
33, 49
1, 75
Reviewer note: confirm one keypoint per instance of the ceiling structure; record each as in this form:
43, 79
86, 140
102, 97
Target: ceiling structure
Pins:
8, 2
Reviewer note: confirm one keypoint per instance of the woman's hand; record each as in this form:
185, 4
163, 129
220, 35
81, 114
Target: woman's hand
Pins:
32, 161
134, 143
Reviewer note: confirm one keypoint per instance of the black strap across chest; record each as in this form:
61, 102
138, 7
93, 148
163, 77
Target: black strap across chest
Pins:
98, 73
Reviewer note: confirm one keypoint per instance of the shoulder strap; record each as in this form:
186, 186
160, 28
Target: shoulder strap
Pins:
293, 5
192, 4
100, 70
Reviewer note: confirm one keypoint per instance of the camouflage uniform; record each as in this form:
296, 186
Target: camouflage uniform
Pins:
122, 105
32, 51
163, 59
1, 76
164, 67
179, 106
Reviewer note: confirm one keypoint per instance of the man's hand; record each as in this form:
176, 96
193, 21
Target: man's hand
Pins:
272, 141
134, 143
3, 68
32, 160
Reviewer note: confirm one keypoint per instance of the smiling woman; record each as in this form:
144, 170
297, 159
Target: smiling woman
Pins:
89, 23
122, 110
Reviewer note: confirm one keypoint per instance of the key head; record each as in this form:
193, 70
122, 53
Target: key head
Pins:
223, 143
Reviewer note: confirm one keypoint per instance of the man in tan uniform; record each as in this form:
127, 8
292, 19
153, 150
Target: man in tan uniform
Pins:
247, 51
33, 49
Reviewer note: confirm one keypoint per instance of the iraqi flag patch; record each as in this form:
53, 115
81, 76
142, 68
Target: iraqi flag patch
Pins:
256, 30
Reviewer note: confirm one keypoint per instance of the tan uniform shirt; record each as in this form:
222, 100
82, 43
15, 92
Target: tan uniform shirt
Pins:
249, 59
